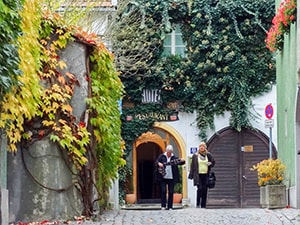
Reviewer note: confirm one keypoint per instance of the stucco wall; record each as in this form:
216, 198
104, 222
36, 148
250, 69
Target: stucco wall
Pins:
286, 95
186, 126
40, 180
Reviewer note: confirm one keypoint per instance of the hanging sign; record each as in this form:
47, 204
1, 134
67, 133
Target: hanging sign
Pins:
269, 123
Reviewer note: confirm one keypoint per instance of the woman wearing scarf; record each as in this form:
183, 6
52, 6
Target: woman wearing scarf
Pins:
202, 162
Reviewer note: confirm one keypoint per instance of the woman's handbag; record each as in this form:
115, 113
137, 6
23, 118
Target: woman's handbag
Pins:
211, 180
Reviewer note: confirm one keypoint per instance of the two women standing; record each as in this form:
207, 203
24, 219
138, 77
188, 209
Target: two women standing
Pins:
167, 174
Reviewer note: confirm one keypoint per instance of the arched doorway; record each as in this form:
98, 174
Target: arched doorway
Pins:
147, 189
235, 153
146, 150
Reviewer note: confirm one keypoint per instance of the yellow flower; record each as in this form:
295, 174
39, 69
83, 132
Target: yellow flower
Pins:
269, 171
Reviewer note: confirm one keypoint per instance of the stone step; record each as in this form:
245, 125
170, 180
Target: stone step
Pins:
148, 206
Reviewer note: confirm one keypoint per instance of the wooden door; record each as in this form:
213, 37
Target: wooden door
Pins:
235, 153
147, 190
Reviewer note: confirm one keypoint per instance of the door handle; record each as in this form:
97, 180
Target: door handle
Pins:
244, 177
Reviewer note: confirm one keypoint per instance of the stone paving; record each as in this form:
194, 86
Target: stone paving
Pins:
196, 216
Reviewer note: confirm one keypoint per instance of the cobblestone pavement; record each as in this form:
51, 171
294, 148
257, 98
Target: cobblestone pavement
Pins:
196, 216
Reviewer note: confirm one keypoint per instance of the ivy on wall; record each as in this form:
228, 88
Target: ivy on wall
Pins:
40, 107
10, 30
226, 62
22, 101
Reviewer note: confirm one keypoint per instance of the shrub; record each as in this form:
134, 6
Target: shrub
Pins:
269, 172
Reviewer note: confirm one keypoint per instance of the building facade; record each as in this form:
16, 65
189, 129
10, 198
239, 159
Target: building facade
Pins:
235, 153
287, 75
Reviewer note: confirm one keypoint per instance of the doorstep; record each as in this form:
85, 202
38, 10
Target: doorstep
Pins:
148, 206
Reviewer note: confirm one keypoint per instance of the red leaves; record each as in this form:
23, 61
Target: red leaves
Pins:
41, 133
78, 219
81, 124
88, 38
45, 222
286, 14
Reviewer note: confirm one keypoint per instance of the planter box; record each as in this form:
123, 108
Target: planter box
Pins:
273, 196
130, 198
177, 198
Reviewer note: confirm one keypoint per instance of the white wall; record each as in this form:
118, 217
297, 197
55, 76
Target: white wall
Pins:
186, 126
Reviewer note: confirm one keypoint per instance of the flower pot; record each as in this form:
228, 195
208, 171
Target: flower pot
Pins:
177, 198
273, 196
263, 197
130, 198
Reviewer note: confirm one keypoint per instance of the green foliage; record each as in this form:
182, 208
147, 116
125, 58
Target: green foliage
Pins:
22, 101
55, 111
125, 181
178, 186
131, 130
96, 139
226, 63
40, 107
10, 30
107, 89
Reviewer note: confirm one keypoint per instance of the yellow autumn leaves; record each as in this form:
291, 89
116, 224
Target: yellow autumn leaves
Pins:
269, 172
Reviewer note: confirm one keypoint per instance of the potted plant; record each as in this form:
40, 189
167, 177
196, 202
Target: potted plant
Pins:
285, 16
177, 196
130, 197
270, 174
126, 185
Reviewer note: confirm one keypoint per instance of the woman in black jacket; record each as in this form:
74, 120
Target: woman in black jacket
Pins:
167, 174
202, 162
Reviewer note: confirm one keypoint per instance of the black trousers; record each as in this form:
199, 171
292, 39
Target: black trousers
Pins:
202, 191
163, 187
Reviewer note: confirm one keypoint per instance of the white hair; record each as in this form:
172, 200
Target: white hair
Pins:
169, 148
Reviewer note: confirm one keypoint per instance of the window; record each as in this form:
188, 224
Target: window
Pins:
174, 44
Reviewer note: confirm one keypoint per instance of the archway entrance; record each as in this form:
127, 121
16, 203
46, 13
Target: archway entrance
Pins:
235, 153
146, 150
148, 191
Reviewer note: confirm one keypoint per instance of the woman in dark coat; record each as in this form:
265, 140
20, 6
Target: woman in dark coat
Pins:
202, 162
167, 174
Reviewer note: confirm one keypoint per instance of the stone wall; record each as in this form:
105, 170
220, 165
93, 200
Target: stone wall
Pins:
41, 183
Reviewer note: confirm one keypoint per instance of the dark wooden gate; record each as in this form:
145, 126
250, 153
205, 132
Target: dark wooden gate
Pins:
147, 190
235, 153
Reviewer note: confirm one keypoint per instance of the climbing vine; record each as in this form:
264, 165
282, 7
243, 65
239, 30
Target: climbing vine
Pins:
22, 101
225, 65
10, 30
40, 107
